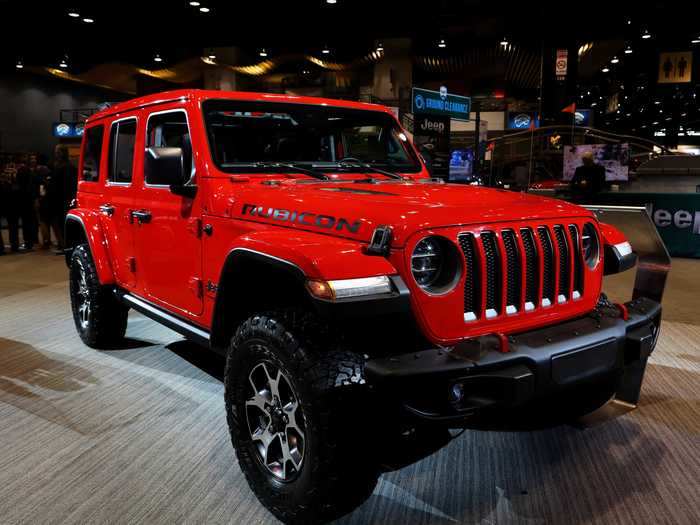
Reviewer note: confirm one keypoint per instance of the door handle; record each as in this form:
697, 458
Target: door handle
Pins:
142, 216
107, 209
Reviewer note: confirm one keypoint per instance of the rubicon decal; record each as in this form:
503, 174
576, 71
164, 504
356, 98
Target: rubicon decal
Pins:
304, 217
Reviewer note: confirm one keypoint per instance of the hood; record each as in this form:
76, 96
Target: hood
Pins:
354, 210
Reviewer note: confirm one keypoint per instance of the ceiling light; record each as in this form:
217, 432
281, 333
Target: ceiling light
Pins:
695, 40
657, 102
211, 56
157, 58
63, 64
73, 13
442, 44
88, 20
19, 65
263, 52
614, 60
606, 69
204, 9
594, 103
195, 4
326, 51
655, 123
331, 1
628, 50
380, 47
504, 42
646, 35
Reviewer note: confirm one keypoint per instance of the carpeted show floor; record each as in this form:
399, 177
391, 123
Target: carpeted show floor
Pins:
139, 434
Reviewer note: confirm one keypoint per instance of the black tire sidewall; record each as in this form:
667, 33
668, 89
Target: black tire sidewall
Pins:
81, 257
107, 320
252, 352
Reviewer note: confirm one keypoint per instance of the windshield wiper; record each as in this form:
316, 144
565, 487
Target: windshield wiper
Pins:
350, 163
287, 165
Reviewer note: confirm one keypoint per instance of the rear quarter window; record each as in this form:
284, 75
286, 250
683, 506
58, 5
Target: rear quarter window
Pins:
92, 153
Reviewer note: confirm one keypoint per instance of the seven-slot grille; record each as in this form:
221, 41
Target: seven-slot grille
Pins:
513, 270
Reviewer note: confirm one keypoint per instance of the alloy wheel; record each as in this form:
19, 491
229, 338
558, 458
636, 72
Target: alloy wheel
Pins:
83, 297
275, 421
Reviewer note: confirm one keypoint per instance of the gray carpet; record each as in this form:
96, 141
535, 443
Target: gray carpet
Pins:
139, 435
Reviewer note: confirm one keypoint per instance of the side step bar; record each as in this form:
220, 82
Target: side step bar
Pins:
181, 326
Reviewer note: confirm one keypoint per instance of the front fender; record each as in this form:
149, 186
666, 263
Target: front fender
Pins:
88, 223
317, 256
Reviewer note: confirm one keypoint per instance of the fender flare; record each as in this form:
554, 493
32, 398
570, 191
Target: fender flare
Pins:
92, 231
273, 254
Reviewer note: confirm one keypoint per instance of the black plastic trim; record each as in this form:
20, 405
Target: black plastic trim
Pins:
539, 364
172, 321
616, 263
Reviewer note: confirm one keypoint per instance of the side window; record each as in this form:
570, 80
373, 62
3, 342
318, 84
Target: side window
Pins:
92, 153
169, 130
121, 151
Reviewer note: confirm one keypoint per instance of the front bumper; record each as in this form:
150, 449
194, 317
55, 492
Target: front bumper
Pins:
452, 384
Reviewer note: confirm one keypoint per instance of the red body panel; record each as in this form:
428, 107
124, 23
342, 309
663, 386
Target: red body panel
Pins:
169, 261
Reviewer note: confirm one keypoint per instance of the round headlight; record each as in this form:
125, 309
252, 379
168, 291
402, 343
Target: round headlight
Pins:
435, 264
591, 245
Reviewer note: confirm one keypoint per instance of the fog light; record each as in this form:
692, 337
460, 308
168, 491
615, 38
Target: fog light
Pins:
457, 393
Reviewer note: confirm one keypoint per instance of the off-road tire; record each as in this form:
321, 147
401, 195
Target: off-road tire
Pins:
104, 325
338, 471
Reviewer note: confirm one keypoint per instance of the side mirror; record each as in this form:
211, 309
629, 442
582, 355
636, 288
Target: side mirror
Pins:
166, 167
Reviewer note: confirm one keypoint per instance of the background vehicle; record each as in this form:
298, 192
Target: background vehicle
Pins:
353, 296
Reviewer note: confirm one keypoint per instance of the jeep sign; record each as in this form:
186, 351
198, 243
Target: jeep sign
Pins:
675, 215
431, 126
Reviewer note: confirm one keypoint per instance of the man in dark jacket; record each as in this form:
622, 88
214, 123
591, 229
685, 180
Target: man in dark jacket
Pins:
26, 195
9, 209
61, 190
588, 181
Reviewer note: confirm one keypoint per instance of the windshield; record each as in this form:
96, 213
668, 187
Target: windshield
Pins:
243, 134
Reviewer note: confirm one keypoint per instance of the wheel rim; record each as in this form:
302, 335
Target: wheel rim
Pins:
83, 297
275, 421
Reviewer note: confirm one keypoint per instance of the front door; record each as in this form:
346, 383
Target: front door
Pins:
167, 226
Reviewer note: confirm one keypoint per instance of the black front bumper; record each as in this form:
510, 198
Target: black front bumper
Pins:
452, 384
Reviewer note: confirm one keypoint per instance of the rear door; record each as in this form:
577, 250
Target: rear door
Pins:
118, 199
169, 240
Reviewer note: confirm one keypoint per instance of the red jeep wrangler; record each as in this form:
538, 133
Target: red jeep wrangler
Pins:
350, 293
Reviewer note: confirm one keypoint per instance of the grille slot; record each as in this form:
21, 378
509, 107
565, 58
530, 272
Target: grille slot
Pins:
514, 276
472, 283
546, 260
548, 263
494, 279
532, 269
578, 261
564, 268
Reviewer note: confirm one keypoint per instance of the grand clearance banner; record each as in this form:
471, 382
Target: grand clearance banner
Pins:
676, 216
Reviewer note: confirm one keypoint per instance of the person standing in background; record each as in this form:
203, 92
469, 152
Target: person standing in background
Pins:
9, 192
43, 181
27, 200
4, 194
61, 191
588, 180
